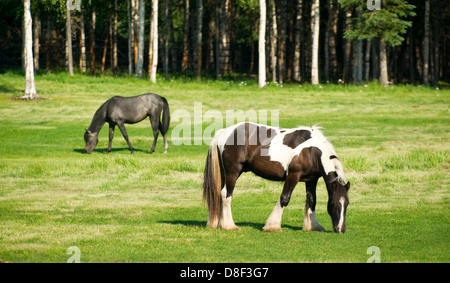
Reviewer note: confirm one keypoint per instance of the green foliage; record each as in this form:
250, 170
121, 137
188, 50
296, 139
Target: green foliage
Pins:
387, 23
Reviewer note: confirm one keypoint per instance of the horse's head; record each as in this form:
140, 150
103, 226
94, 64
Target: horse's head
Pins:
337, 204
91, 140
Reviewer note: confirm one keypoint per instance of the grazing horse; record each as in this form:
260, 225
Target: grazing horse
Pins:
289, 155
129, 110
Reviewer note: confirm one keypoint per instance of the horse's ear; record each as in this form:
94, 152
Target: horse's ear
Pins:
347, 186
87, 131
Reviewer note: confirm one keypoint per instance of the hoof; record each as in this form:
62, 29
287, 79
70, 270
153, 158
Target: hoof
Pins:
234, 228
271, 229
318, 228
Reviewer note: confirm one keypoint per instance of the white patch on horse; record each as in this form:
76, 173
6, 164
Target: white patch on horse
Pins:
273, 223
341, 217
226, 219
280, 152
310, 222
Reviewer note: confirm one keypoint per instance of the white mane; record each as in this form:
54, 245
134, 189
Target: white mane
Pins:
328, 151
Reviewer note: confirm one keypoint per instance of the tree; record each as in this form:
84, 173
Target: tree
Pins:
273, 40
184, 60
262, 44
315, 23
30, 88
297, 40
426, 43
92, 40
82, 45
140, 59
199, 37
69, 58
155, 40
130, 36
387, 24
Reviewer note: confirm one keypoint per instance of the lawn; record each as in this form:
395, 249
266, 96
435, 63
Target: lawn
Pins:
394, 144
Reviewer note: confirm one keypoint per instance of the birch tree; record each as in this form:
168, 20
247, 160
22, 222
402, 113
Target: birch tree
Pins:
262, 44
155, 39
30, 88
82, 45
315, 24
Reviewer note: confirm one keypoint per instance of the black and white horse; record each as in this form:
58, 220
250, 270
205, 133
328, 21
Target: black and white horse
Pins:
289, 155
129, 110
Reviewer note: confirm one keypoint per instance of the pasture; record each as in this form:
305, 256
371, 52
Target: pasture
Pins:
394, 144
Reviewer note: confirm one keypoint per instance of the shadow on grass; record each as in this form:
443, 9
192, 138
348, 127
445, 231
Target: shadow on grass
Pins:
202, 224
104, 150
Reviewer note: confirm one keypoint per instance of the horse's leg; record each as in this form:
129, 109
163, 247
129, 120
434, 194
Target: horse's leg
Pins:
154, 121
125, 135
273, 223
226, 219
111, 136
310, 223
166, 145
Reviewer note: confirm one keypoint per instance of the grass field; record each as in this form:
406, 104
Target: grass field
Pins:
394, 144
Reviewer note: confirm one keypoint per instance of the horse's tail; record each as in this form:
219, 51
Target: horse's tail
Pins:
212, 184
165, 117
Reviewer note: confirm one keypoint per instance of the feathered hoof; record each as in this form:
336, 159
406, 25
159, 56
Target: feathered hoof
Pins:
271, 229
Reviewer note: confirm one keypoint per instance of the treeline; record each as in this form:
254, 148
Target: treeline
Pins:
343, 41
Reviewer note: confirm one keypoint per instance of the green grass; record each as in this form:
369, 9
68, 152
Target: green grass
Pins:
394, 144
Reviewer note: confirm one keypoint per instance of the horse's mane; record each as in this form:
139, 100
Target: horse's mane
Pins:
336, 162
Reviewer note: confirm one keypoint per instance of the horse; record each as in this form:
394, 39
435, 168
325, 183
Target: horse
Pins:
289, 155
120, 110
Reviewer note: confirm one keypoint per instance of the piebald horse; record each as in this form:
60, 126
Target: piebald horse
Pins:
289, 155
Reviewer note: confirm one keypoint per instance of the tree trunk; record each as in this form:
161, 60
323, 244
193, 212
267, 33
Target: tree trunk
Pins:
199, 36
155, 40
315, 23
30, 88
184, 60
36, 34
69, 58
167, 23
105, 49
92, 41
297, 40
282, 41
150, 46
383, 63
82, 45
224, 41
348, 48
273, 49
114, 40
48, 45
262, 45
367, 60
130, 37
135, 9
333, 64
426, 43
140, 61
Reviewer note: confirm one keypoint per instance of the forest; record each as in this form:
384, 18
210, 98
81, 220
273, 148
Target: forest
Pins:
328, 41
